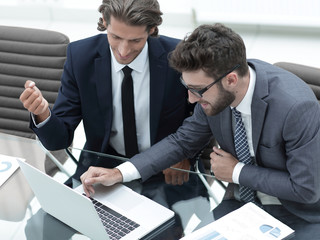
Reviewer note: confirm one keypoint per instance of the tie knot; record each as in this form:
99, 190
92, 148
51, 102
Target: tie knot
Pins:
126, 71
236, 113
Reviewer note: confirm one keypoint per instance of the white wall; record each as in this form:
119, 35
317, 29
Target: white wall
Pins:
273, 30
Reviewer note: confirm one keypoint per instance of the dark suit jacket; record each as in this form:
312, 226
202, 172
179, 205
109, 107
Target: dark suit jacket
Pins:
286, 141
86, 94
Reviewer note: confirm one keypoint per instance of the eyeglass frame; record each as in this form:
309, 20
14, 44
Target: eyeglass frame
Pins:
199, 93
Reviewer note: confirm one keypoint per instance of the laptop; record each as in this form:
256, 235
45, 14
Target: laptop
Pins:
138, 216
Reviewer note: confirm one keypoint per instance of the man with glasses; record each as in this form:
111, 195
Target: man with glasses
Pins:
265, 120
199, 93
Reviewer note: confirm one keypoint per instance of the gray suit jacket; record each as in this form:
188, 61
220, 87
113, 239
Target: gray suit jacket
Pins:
286, 141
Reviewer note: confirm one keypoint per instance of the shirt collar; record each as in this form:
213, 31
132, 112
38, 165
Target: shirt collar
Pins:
137, 64
245, 105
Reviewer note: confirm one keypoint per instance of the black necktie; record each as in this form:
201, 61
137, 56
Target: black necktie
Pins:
128, 115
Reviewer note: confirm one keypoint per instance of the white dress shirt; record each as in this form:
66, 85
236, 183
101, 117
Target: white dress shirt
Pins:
141, 88
141, 84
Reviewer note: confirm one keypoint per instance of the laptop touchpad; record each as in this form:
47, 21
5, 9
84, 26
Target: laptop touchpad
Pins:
119, 196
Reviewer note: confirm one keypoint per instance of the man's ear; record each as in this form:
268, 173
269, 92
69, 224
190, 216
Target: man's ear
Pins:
231, 80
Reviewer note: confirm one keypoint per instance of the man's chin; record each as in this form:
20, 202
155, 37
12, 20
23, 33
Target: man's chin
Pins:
208, 111
124, 61
212, 112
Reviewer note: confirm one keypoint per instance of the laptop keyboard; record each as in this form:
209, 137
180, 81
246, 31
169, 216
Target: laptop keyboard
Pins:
116, 225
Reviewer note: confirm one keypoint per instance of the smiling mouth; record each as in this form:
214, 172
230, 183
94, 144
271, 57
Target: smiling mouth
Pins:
204, 105
123, 57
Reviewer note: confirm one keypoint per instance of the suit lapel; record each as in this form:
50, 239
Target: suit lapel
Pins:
258, 105
102, 74
258, 112
258, 109
226, 130
158, 70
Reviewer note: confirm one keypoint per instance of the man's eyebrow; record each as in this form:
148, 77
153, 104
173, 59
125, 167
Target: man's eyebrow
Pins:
135, 39
113, 34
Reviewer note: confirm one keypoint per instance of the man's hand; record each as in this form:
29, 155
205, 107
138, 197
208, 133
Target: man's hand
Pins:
34, 102
222, 164
176, 177
105, 176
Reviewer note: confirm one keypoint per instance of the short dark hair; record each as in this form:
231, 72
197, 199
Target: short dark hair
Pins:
132, 12
215, 49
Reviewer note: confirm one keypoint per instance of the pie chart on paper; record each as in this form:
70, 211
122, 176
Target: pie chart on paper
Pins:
269, 230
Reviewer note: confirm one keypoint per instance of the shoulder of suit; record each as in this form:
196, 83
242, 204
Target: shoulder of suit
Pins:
90, 47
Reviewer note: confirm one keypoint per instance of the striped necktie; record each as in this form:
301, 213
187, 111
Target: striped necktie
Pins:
243, 154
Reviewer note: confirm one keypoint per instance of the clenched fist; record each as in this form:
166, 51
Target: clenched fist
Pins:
34, 102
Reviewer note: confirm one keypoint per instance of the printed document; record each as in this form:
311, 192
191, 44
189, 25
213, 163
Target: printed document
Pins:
8, 165
249, 222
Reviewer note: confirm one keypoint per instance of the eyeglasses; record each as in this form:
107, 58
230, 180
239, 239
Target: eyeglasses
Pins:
199, 93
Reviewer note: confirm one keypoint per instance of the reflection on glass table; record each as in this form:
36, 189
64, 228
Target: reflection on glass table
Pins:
119, 218
192, 202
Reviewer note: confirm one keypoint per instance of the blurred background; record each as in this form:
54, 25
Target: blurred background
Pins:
273, 30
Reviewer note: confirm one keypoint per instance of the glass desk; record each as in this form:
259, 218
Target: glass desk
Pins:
21, 216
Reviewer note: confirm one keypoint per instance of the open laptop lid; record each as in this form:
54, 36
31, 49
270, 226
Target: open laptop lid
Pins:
78, 212
64, 204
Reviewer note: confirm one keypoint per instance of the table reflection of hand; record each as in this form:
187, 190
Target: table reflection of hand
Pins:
176, 177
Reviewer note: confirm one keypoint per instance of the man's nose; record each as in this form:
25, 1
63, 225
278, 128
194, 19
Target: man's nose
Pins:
192, 98
124, 49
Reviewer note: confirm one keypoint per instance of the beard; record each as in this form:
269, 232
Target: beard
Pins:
224, 100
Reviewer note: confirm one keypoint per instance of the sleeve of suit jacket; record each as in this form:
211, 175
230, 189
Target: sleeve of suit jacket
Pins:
58, 132
192, 136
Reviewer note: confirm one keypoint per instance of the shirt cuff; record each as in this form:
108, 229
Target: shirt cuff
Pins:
39, 125
236, 172
128, 171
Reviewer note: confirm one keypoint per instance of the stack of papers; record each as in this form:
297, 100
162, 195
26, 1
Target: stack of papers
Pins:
248, 222
8, 165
